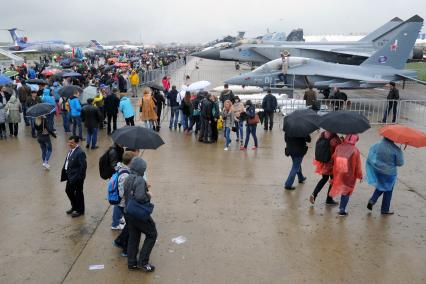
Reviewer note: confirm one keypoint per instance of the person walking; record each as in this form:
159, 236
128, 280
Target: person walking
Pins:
296, 148
269, 106
44, 131
174, 107
111, 105
74, 173
65, 112
196, 113
228, 119
122, 83
127, 110
13, 111
75, 110
346, 170
159, 102
134, 83
324, 150
393, 97
2, 122
92, 117
48, 99
239, 114
225, 95
251, 125
32, 101
206, 107
135, 187
186, 107
381, 168
147, 111
24, 92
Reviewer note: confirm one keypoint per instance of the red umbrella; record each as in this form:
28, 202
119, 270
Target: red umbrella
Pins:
404, 135
121, 64
50, 72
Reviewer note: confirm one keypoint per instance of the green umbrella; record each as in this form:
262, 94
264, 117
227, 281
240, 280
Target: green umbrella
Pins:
10, 73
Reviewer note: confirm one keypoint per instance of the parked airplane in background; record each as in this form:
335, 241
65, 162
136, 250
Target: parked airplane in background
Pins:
96, 46
22, 45
385, 65
353, 53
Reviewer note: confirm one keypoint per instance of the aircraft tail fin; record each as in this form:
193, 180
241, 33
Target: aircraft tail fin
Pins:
13, 34
96, 44
381, 31
279, 36
396, 51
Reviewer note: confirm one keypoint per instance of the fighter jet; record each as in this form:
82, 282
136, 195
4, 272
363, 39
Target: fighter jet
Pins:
22, 45
353, 53
385, 65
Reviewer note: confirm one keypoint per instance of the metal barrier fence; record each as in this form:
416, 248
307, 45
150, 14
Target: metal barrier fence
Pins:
408, 112
157, 74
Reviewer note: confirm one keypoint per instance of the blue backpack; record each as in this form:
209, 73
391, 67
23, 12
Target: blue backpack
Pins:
113, 193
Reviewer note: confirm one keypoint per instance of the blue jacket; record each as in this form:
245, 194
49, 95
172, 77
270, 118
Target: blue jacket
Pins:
47, 98
381, 166
126, 107
75, 106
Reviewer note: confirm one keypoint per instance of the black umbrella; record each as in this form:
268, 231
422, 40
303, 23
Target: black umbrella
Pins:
344, 122
136, 137
70, 90
301, 123
40, 110
37, 81
154, 86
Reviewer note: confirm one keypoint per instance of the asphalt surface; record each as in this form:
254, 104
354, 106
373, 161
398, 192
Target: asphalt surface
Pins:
239, 224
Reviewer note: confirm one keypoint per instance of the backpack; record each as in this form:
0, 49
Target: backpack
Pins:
105, 169
113, 193
322, 150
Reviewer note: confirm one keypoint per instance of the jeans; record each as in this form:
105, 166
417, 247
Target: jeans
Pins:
321, 184
130, 121
92, 137
66, 120
269, 117
136, 227
197, 122
250, 129
174, 116
46, 148
50, 120
149, 124
134, 90
394, 105
387, 197
296, 169
113, 117
76, 122
186, 121
227, 132
116, 216
344, 199
24, 113
239, 125
206, 130
123, 238
33, 131
75, 194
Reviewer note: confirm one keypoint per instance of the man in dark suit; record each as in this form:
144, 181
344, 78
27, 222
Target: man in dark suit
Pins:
74, 172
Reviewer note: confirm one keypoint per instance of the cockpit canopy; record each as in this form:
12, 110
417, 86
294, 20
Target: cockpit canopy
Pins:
277, 64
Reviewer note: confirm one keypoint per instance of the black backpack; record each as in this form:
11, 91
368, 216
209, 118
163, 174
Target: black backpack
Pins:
105, 169
322, 150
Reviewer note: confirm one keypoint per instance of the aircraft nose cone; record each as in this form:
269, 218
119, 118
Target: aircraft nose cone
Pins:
212, 53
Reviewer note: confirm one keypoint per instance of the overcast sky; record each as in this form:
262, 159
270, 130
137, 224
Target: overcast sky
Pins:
195, 21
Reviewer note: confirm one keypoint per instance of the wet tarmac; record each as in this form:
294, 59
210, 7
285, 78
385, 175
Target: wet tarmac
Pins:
240, 225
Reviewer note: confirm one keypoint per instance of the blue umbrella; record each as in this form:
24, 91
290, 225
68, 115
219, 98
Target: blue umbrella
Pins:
5, 80
71, 74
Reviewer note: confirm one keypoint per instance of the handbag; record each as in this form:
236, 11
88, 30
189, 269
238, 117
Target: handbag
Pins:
254, 120
234, 129
141, 211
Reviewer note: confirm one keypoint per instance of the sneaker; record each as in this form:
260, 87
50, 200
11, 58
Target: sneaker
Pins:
254, 148
44, 165
370, 206
133, 267
117, 245
47, 166
243, 148
124, 253
330, 201
148, 267
290, 188
388, 213
343, 213
118, 227
226, 149
302, 180
87, 146
122, 221
312, 199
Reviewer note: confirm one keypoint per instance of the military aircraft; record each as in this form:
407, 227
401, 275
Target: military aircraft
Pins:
96, 46
353, 53
22, 45
385, 65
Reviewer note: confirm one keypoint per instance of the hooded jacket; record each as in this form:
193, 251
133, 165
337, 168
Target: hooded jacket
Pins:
126, 107
135, 184
134, 79
14, 108
47, 98
75, 106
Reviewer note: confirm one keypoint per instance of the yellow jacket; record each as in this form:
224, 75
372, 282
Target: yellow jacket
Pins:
98, 101
134, 79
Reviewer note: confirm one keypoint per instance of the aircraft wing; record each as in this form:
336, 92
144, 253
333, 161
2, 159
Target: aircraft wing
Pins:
340, 51
25, 51
412, 79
